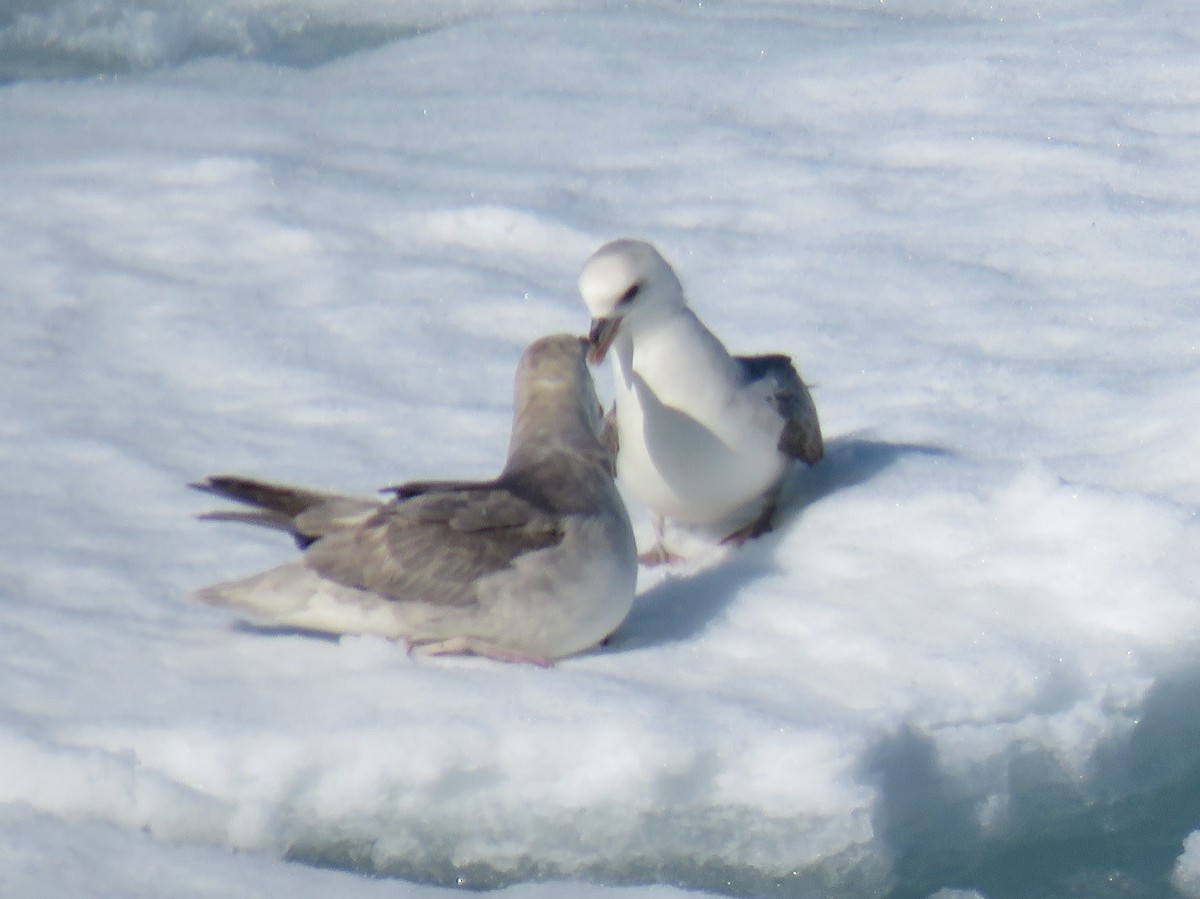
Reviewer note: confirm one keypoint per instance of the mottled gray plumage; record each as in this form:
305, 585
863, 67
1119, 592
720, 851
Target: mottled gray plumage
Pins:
306, 514
531, 566
436, 544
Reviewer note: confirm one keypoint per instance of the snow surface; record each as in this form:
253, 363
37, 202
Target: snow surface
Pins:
310, 241
1187, 869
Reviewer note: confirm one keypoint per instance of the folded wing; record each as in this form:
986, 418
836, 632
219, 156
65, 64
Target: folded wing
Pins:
801, 437
435, 546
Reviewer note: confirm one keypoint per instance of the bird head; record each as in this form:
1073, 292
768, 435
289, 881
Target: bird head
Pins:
624, 281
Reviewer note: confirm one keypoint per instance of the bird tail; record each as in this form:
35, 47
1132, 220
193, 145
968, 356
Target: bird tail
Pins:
279, 596
306, 514
296, 596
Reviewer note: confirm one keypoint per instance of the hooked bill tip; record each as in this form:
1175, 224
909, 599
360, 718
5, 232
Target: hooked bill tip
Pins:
600, 338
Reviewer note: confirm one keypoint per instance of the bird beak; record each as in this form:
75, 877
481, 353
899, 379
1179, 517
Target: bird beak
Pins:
600, 338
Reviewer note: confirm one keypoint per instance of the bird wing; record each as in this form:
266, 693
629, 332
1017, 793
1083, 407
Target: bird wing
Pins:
434, 546
409, 489
610, 439
801, 436
306, 514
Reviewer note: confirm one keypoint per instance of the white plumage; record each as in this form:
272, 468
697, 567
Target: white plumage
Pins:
702, 437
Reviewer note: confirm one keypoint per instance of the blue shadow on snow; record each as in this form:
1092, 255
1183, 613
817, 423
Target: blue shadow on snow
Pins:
680, 608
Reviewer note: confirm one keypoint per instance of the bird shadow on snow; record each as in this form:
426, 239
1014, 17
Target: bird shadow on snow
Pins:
682, 606
849, 461
284, 630
696, 593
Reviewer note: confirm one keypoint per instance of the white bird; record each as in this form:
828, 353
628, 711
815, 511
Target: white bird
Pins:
701, 437
538, 564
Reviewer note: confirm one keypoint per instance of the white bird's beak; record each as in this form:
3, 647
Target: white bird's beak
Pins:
600, 338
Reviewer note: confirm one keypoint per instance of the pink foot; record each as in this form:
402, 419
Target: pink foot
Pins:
467, 646
659, 555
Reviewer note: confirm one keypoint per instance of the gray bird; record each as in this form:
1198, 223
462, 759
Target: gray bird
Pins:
700, 436
538, 564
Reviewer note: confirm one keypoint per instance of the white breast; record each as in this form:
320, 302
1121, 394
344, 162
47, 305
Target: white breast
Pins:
696, 444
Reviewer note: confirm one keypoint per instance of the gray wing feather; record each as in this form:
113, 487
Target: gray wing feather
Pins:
282, 499
801, 437
434, 546
410, 489
306, 514
610, 439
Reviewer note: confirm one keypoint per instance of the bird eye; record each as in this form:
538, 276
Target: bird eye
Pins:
628, 295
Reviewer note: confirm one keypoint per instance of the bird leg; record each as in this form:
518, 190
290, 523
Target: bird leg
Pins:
473, 646
658, 554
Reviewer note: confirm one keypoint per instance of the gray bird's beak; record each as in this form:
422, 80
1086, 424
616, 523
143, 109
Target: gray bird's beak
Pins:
600, 338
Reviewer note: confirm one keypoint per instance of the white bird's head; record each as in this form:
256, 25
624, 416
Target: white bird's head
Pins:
623, 281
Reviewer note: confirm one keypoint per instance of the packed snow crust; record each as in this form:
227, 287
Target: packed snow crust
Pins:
308, 242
